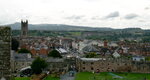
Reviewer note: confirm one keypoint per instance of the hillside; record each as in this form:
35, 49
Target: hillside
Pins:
58, 27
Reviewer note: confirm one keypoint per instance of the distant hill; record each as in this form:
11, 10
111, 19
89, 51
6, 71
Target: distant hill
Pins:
58, 27
62, 27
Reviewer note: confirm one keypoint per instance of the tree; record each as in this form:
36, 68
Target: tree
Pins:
14, 44
23, 50
55, 54
38, 65
91, 55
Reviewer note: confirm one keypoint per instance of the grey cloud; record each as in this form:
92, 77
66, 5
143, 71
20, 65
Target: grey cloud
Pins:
146, 8
75, 17
112, 15
141, 21
96, 18
131, 16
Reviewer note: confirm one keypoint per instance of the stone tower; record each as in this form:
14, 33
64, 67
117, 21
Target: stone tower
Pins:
5, 47
24, 28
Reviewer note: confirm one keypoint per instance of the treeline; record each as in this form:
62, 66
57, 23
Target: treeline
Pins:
115, 35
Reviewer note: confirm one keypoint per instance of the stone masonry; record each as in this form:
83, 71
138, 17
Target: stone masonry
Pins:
5, 47
112, 65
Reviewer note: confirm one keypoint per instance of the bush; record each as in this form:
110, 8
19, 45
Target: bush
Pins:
91, 55
23, 50
55, 54
38, 65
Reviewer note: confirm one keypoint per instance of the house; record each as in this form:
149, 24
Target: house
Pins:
138, 58
90, 48
116, 54
62, 51
19, 61
66, 43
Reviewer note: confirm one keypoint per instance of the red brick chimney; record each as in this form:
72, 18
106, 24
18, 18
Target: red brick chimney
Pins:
105, 43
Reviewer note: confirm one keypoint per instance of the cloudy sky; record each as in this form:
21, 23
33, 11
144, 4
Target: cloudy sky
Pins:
95, 13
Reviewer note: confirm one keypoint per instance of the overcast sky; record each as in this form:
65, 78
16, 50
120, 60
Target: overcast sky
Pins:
95, 13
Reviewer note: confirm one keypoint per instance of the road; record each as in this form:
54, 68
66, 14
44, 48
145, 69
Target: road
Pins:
68, 76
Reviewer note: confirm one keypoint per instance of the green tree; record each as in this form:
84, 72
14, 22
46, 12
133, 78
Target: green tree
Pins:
55, 54
14, 44
23, 50
91, 55
38, 65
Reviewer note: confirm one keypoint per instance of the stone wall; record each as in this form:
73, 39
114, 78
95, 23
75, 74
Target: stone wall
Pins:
57, 67
5, 47
16, 66
113, 65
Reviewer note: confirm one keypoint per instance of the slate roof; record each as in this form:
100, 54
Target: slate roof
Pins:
55, 60
90, 48
92, 59
24, 57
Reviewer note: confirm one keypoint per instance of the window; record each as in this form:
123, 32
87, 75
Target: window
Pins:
83, 67
83, 62
112, 70
91, 68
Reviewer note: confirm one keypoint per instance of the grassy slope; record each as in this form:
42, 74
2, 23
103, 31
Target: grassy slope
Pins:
51, 78
22, 78
105, 75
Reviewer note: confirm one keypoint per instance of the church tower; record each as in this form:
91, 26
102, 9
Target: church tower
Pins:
24, 28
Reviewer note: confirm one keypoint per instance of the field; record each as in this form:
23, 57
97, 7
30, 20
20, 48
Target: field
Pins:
111, 76
101, 76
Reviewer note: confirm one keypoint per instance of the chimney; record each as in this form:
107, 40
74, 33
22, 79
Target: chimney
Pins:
105, 43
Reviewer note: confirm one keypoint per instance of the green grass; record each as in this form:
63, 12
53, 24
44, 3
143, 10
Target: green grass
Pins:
22, 78
107, 76
51, 78
147, 58
46, 78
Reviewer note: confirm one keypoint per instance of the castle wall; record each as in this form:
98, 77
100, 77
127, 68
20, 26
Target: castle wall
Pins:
5, 47
113, 65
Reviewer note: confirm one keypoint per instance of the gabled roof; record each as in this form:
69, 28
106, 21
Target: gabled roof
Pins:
92, 59
21, 57
55, 60
116, 54
90, 48
28, 67
61, 50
